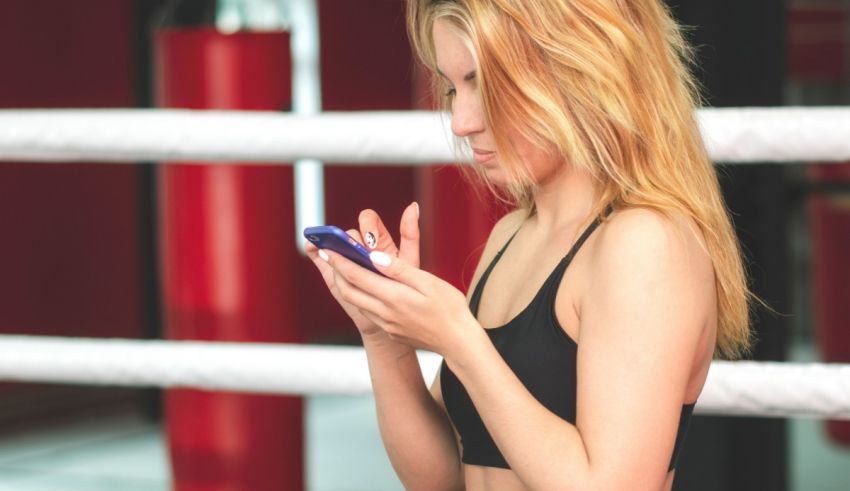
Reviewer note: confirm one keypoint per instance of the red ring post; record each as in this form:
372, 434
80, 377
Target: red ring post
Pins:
228, 264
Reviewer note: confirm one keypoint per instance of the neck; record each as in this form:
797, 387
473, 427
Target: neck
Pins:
564, 200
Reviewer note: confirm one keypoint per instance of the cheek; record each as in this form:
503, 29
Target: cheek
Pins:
540, 162
547, 167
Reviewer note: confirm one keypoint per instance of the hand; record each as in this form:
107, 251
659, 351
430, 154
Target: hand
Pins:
380, 239
409, 305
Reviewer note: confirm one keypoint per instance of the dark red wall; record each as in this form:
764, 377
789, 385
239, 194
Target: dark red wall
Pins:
69, 250
817, 42
56, 53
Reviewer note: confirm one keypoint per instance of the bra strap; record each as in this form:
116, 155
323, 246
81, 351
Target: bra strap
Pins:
562, 266
581, 240
479, 287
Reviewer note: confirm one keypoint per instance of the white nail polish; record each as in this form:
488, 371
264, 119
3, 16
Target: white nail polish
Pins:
380, 258
323, 255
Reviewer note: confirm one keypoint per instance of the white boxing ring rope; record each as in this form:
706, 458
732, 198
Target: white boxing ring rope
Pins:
732, 388
731, 135
787, 134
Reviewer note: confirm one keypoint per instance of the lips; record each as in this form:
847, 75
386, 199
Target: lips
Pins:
482, 156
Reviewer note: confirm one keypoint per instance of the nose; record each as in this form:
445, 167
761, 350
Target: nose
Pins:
467, 114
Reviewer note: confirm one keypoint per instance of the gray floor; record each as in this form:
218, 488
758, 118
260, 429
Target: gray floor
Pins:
816, 464
344, 453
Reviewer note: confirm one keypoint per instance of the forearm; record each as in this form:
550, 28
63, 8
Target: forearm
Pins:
546, 452
415, 430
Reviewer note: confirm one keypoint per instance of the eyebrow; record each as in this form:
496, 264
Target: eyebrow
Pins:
466, 78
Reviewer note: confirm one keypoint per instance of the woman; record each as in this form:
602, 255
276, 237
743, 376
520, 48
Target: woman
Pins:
600, 301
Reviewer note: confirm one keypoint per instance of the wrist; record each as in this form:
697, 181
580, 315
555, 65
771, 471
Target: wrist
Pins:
470, 344
381, 341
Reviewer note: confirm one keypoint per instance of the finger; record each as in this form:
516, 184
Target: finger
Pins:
352, 272
309, 247
375, 233
360, 299
373, 318
324, 268
409, 229
313, 254
374, 284
355, 234
398, 269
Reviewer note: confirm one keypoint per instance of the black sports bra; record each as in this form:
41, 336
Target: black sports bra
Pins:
542, 356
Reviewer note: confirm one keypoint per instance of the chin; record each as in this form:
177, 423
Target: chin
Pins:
497, 177
493, 172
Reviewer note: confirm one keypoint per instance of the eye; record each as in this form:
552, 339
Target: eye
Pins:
450, 92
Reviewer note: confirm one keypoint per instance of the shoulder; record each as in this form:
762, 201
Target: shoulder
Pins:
643, 318
505, 227
647, 238
641, 223
642, 255
502, 232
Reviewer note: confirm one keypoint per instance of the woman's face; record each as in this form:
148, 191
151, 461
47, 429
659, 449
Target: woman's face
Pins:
456, 65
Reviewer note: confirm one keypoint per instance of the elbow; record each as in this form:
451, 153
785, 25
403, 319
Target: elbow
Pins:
435, 480
606, 479
450, 486
625, 481
435, 485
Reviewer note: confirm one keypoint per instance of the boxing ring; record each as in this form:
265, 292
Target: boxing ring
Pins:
411, 138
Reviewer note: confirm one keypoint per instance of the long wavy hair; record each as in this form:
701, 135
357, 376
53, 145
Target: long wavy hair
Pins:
606, 85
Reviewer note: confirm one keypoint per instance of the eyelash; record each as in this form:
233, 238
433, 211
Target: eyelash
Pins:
449, 93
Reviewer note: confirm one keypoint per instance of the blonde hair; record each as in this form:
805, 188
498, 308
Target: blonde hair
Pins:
604, 84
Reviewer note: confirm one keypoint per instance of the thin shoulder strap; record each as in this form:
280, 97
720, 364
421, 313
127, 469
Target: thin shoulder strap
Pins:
559, 270
479, 287
581, 240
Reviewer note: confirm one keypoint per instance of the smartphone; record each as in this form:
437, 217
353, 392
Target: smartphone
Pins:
333, 238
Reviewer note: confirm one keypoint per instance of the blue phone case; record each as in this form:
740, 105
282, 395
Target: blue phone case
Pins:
333, 238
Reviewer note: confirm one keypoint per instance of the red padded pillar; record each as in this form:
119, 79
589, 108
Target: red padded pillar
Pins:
228, 264
456, 220
830, 228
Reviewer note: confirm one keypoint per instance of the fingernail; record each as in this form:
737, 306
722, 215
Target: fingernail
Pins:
380, 258
370, 240
416, 205
323, 255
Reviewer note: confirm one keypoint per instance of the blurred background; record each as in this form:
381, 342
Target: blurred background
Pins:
134, 251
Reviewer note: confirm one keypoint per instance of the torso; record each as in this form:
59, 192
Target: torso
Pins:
512, 285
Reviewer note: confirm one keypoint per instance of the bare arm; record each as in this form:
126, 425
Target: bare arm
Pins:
433, 462
641, 319
415, 429
414, 426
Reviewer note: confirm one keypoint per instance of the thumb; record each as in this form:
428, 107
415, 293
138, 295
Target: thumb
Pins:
396, 268
409, 230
